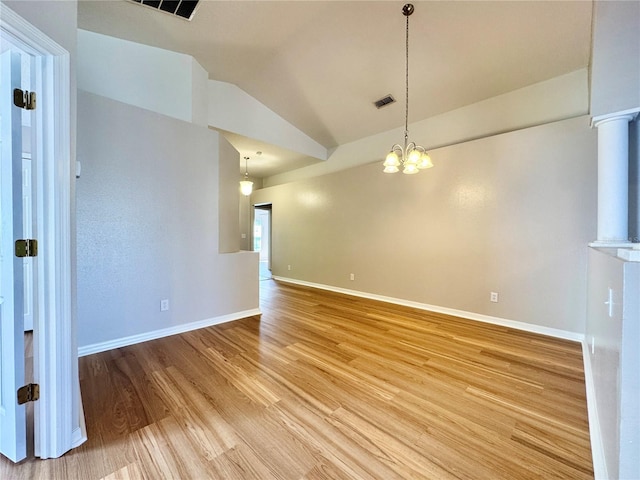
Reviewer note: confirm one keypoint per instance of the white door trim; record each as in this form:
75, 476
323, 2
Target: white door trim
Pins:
59, 421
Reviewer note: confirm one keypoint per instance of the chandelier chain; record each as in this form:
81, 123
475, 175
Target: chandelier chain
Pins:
406, 110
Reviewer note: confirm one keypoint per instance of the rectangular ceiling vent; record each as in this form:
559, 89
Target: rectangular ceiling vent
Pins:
383, 102
179, 8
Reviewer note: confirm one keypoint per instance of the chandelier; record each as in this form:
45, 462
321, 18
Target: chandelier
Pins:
411, 157
246, 186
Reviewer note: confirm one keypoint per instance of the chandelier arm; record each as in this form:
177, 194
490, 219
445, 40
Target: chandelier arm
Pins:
399, 151
409, 147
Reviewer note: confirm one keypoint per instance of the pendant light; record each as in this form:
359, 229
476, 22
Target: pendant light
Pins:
246, 186
410, 156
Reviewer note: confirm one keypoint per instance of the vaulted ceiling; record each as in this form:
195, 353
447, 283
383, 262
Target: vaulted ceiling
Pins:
321, 64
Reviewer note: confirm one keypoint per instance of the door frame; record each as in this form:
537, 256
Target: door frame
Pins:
59, 421
268, 207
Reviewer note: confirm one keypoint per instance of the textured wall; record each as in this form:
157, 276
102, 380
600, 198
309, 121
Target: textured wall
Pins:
148, 225
613, 337
229, 231
511, 213
615, 62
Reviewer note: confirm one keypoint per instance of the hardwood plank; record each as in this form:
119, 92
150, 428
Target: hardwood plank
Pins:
240, 463
391, 449
207, 431
164, 451
129, 472
331, 444
327, 386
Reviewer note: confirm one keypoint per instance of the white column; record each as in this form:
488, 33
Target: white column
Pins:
613, 179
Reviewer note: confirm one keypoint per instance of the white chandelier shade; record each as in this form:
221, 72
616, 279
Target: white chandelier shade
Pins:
246, 185
414, 158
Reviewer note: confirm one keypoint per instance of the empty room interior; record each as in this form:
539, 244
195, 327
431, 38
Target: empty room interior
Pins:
322, 239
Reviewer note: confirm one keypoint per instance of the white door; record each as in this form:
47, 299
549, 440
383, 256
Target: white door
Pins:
13, 436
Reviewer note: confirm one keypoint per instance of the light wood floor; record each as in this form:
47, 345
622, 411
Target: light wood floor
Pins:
325, 386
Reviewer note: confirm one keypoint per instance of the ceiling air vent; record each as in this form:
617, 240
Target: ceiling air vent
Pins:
179, 8
384, 101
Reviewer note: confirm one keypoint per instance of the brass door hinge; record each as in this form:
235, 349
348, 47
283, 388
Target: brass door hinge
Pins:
26, 248
22, 99
28, 393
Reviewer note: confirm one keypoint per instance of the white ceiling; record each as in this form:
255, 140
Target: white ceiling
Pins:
321, 64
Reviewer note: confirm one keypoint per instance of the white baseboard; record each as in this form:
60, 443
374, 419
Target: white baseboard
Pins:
528, 327
164, 332
597, 447
79, 434
78, 437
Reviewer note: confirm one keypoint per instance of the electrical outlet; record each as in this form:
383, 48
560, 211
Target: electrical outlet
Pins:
352, 276
244, 235
494, 297
288, 267
164, 305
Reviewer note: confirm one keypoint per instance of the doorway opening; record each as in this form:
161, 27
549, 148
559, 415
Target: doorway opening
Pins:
262, 239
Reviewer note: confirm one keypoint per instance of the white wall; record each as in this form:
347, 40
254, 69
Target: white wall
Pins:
511, 213
615, 62
245, 219
151, 78
234, 110
228, 185
614, 359
629, 457
199, 94
148, 226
